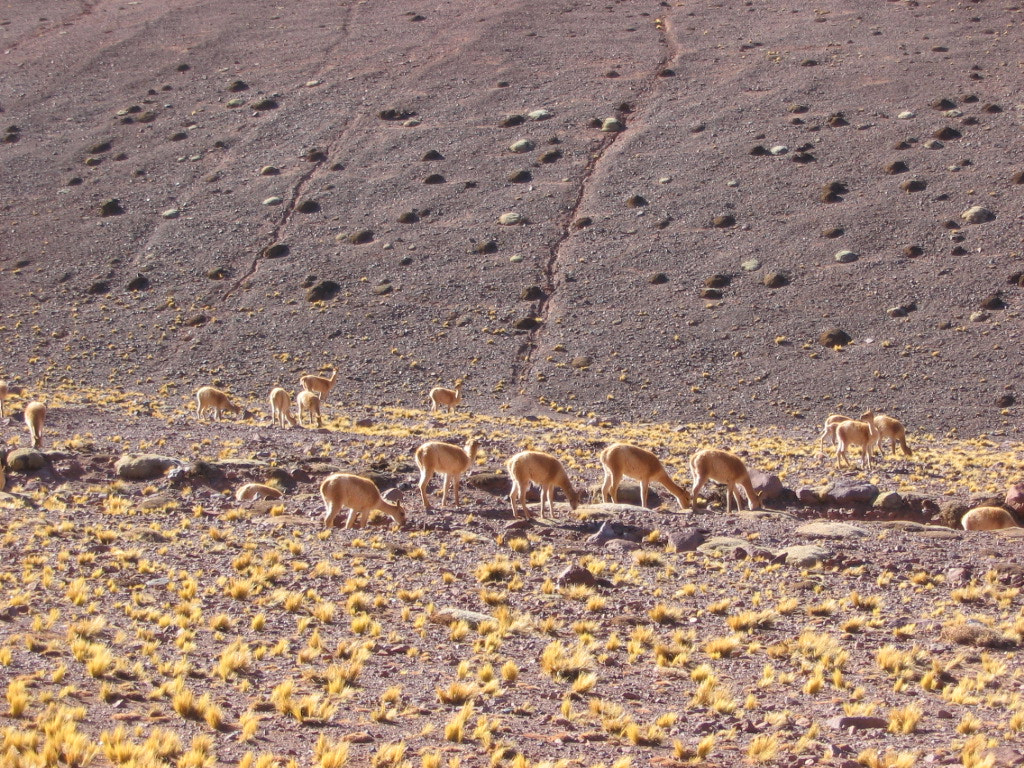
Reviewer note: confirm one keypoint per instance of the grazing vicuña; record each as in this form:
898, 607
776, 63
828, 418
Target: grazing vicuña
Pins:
545, 471
213, 399
360, 496
251, 491
620, 459
309, 404
723, 467
281, 407
35, 415
861, 433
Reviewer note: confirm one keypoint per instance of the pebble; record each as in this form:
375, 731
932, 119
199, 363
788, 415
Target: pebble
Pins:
273, 201
516, 258
750, 265
510, 218
977, 214
523, 145
540, 114
612, 125
235, 103
906, 115
269, 170
846, 257
779, 149
171, 213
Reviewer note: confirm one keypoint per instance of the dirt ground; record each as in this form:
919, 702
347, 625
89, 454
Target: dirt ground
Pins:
677, 224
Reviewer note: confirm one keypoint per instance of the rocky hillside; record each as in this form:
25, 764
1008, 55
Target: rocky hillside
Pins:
659, 211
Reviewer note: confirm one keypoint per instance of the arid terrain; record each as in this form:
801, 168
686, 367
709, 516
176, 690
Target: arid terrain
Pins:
677, 224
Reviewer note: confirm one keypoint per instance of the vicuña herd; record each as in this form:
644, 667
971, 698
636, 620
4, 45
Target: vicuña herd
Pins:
360, 496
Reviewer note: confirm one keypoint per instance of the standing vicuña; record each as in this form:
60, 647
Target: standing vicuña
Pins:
309, 404
862, 433
213, 399
35, 415
445, 459
545, 471
439, 396
621, 459
322, 385
828, 434
281, 407
360, 496
987, 519
723, 467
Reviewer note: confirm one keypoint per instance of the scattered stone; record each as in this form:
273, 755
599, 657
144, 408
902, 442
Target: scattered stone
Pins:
454, 615
273, 200
431, 155
767, 485
276, 251
146, 466
520, 177
528, 323
636, 201
265, 104
837, 120
511, 218
582, 221
724, 545
717, 281
231, 104
170, 213
858, 723
1018, 177
111, 207
805, 555
139, 283
825, 529
408, 217
323, 291
540, 114
803, 157
551, 156
218, 273
383, 288
98, 288
994, 301
778, 149
533, 293
947, 134
576, 575
434, 178
486, 246
906, 115
776, 279
977, 215
25, 460
712, 294
237, 86
1005, 400
979, 317
833, 191
914, 185
658, 278
751, 265
759, 151
933, 144
612, 125
522, 145
847, 493
511, 121
895, 167
846, 257
685, 540
361, 237
581, 362
834, 337
724, 221
1015, 497
913, 251
395, 114
890, 501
